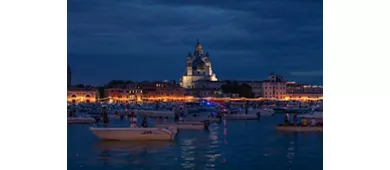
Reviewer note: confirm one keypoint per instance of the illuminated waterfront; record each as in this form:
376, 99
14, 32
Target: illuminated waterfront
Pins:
228, 145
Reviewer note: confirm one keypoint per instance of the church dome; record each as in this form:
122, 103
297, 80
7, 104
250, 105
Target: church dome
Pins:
198, 64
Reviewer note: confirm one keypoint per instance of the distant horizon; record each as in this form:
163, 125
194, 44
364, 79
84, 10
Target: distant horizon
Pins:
177, 82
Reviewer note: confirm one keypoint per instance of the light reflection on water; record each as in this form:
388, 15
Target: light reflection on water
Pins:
227, 145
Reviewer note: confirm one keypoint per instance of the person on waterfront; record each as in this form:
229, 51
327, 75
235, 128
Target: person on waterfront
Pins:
159, 119
144, 123
166, 119
286, 119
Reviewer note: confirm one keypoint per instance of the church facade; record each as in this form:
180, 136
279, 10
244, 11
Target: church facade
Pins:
198, 67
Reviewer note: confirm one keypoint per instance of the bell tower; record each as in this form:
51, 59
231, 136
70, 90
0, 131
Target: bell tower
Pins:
189, 65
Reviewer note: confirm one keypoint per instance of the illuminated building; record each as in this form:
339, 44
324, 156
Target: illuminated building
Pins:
69, 80
303, 92
274, 87
161, 91
198, 67
77, 94
117, 94
134, 92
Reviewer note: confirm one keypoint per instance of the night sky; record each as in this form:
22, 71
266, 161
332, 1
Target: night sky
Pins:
150, 39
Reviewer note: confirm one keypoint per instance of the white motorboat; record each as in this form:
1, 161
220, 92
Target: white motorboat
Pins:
81, 120
185, 125
130, 134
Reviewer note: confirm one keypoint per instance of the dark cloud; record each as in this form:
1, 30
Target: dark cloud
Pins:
149, 39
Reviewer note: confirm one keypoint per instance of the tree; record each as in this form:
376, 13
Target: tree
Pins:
243, 90
80, 86
246, 91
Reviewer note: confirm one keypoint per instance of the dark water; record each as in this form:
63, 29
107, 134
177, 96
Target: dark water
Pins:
231, 144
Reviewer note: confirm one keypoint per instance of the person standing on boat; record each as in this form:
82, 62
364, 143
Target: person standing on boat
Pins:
144, 123
246, 107
133, 121
105, 118
286, 119
295, 119
304, 122
313, 122
176, 116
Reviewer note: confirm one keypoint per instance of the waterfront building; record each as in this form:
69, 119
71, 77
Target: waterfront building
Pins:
203, 92
81, 94
198, 67
160, 90
117, 94
303, 91
274, 87
134, 92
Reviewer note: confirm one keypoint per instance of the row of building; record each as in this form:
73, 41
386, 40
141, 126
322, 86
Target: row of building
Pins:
198, 81
169, 91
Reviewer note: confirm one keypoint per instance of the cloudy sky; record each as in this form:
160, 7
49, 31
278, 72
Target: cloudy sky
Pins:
150, 39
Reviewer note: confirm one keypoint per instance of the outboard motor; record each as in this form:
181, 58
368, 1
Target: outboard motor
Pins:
206, 124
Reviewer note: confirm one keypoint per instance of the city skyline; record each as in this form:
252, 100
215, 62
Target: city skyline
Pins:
142, 41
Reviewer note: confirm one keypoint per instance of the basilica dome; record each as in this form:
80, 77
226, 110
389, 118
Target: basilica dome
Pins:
198, 64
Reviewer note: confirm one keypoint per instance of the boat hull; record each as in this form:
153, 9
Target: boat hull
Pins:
300, 128
201, 119
154, 113
184, 125
81, 120
134, 134
242, 117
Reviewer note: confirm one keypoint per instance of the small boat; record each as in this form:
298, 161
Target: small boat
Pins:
131, 134
185, 125
81, 120
299, 128
201, 119
242, 117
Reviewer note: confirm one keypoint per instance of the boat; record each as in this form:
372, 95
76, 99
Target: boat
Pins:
299, 128
242, 117
133, 134
185, 125
202, 119
154, 113
81, 120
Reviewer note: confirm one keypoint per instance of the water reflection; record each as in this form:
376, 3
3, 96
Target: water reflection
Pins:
227, 145
291, 148
121, 152
187, 153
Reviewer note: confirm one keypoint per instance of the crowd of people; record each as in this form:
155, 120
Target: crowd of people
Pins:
301, 121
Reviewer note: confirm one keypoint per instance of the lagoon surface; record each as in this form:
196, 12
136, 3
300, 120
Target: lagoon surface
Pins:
231, 144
